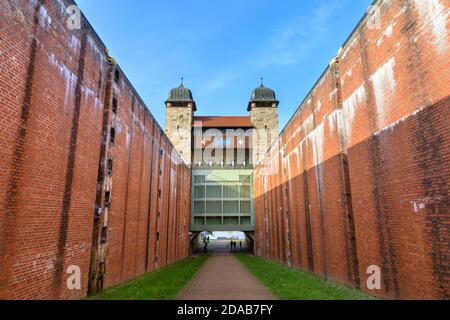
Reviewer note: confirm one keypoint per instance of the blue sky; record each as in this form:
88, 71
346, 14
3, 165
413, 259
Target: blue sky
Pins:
223, 47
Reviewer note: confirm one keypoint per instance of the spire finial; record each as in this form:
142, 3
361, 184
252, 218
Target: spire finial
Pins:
182, 81
262, 82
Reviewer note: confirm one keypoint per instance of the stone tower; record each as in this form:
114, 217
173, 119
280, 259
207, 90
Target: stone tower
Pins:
180, 108
263, 108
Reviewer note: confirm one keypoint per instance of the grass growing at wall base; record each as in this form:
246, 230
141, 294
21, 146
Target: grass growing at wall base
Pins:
294, 284
163, 284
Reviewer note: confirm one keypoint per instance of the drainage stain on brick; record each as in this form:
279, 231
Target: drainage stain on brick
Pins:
54, 155
67, 200
392, 145
7, 246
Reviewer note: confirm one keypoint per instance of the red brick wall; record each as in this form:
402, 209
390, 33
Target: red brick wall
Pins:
365, 160
56, 93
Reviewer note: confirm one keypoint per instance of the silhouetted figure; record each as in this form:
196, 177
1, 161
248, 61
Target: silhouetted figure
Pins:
240, 245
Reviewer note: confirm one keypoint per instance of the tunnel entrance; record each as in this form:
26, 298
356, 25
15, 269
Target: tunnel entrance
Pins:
221, 242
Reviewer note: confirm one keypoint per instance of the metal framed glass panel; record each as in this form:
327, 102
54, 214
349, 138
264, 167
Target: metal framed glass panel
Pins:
223, 199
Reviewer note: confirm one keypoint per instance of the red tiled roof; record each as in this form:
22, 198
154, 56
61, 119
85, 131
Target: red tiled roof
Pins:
223, 122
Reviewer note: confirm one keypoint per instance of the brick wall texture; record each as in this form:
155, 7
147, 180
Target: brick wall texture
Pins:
87, 176
359, 176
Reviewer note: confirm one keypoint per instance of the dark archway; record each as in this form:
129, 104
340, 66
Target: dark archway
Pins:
219, 242
250, 238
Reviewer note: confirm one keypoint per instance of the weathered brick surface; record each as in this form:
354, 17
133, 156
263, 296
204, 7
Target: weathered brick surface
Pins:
361, 169
54, 110
365, 160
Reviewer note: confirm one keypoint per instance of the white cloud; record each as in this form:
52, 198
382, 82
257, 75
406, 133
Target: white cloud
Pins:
294, 39
217, 82
287, 44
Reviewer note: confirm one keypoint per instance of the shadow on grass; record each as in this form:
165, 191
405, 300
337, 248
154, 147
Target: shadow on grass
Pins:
163, 284
295, 284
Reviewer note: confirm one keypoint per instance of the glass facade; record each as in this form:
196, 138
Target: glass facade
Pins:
222, 200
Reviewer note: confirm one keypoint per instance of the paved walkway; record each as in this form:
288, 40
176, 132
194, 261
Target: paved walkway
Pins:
223, 277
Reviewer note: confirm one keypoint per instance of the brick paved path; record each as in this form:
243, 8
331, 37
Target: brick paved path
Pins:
223, 277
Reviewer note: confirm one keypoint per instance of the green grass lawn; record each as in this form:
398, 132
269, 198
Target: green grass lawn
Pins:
163, 284
294, 284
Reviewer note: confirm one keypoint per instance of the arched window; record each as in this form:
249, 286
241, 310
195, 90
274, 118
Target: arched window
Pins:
107, 198
104, 235
110, 167
113, 135
114, 105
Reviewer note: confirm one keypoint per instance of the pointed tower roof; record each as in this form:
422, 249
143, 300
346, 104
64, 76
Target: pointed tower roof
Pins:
263, 95
181, 94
